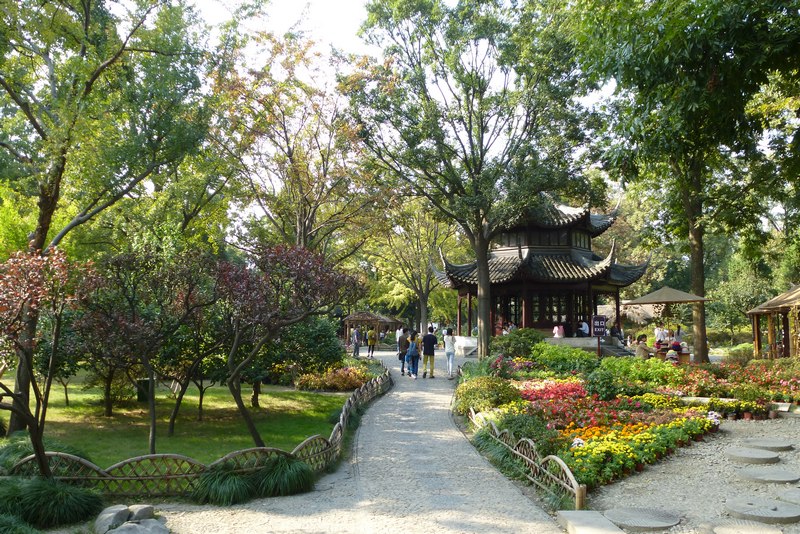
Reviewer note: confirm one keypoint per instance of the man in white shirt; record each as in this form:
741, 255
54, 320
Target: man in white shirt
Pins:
583, 329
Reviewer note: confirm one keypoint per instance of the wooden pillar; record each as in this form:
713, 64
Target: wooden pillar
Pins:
771, 335
469, 314
458, 316
617, 308
756, 336
787, 339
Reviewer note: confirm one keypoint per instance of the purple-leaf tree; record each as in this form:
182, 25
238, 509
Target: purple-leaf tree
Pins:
282, 285
32, 284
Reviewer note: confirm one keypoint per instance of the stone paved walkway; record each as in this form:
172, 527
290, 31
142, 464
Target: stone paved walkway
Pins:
412, 471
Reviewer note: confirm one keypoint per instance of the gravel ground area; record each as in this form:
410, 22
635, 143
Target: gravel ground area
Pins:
696, 481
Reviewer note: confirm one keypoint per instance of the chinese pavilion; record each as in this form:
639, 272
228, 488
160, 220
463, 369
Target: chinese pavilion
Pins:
543, 271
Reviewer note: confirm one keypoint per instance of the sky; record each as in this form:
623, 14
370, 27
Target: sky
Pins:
329, 22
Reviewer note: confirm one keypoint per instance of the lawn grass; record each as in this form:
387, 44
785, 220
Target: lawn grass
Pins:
286, 418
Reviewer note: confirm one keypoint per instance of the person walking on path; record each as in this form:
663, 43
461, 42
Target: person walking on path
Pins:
356, 342
429, 342
372, 339
412, 355
402, 349
450, 351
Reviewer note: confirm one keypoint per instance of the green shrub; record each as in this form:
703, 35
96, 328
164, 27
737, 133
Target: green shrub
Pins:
309, 347
474, 369
523, 425
283, 475
517, 344
740, 354
11, 524
222, 486
563, 359
484, 393
603, 383
652, 372
48, 503
342, 379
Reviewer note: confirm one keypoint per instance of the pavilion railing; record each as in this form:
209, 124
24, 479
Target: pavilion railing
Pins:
549, 473
165, 475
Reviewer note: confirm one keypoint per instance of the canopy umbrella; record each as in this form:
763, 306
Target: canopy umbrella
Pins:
637, 313
667, 295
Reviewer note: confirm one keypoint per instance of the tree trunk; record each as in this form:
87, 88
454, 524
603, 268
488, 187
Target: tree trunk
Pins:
178, 400
484, 296
692, 197
235, 387
22, 386
151, 404
256, 392
39, 450
66, 394
201, 395
108, 404
423, 312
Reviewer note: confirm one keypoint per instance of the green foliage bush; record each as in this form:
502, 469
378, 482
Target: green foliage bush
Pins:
523, 425
223, 486
305, 348
474, 369
563, 359
283, 475
652, 372
484, 393
603, 383
740, 354
517, 344
342, 379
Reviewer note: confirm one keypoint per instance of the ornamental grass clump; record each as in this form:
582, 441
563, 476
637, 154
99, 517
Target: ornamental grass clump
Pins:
220, 484
283, 475
11, 524
48, 503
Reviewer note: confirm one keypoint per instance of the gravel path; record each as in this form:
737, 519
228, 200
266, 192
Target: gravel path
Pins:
412, 471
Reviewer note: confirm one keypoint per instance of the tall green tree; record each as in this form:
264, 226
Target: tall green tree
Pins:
405, 252
300, 167
95, 99
471, 108
684, 73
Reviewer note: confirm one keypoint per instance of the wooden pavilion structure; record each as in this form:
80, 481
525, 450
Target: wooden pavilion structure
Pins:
366, 319
783, 325
543, 271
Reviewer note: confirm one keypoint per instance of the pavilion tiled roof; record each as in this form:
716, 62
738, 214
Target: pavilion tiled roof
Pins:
546, 213
540, 267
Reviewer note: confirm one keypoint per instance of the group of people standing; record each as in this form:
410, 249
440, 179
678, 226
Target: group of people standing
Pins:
411, 347
371, 337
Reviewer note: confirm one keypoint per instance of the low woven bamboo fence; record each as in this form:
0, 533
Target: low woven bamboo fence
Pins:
167, 475
550, 474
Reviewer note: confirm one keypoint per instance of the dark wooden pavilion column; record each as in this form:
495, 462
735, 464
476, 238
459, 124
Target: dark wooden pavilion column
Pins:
756, 336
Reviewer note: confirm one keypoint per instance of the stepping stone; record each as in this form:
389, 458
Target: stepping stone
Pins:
748, 455
763, 510
642, 519
769, 444
792, 496
586, 522
738, 526
769, 475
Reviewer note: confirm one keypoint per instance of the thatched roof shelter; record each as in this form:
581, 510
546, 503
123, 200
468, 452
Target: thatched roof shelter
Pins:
783, 324
366, 318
